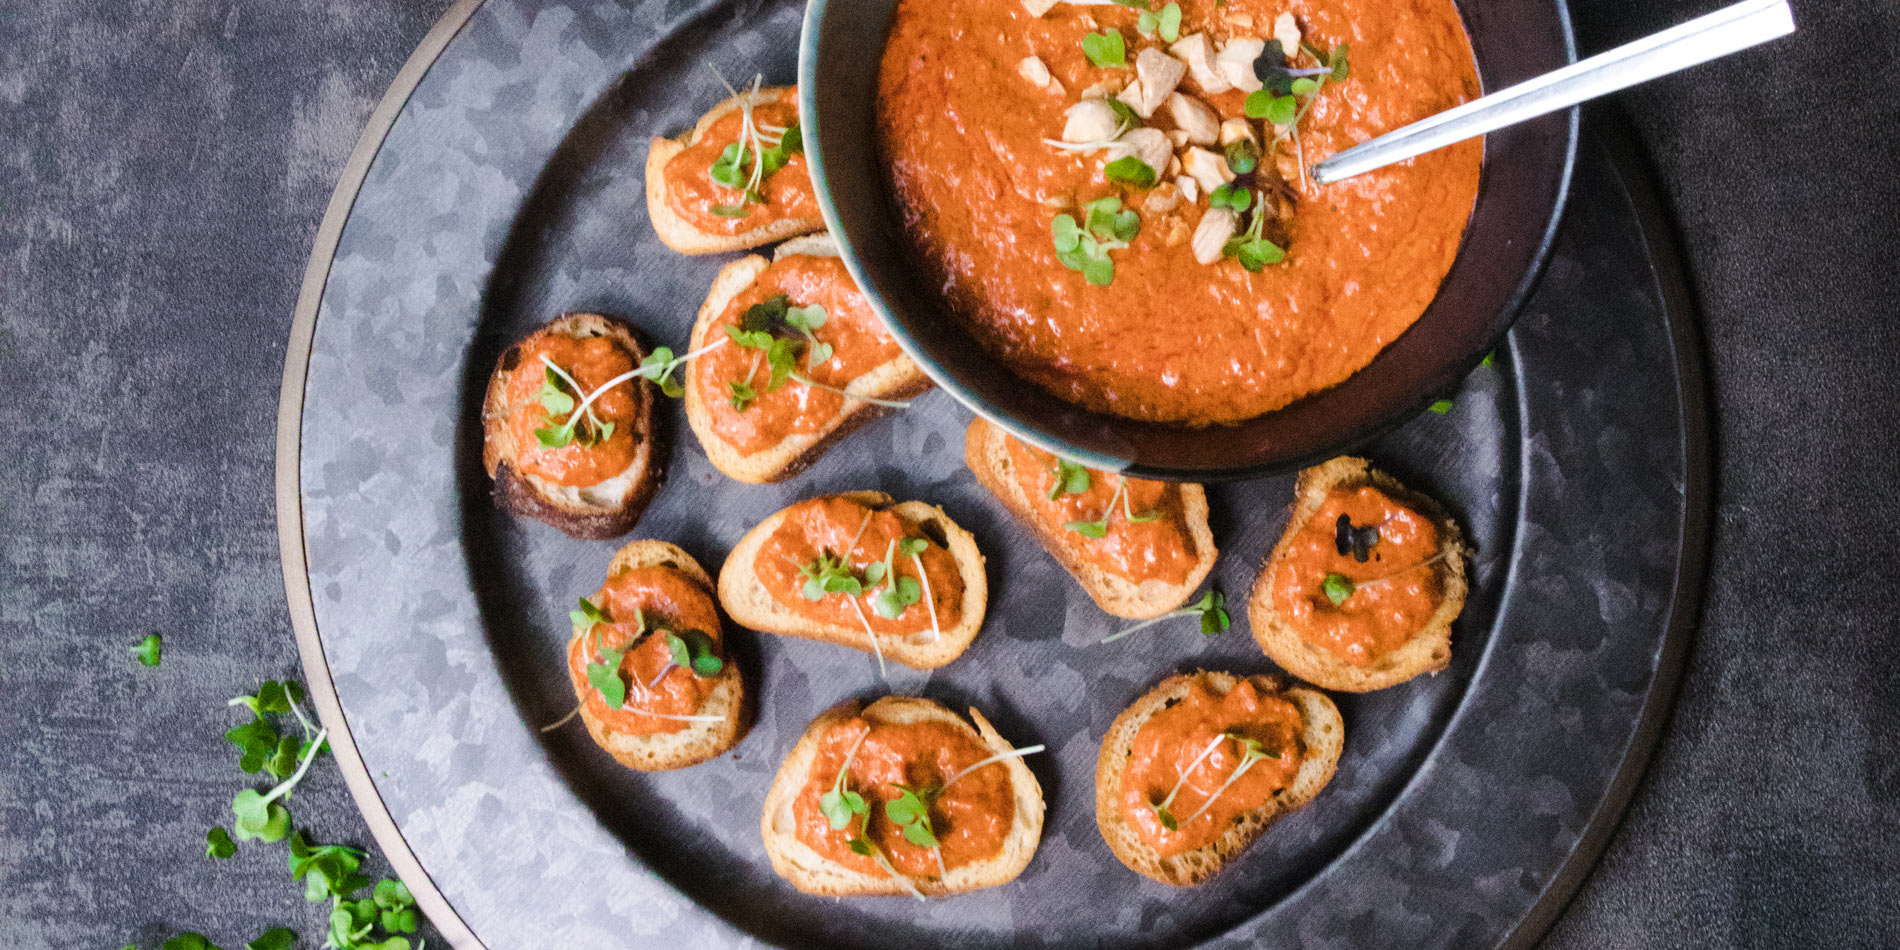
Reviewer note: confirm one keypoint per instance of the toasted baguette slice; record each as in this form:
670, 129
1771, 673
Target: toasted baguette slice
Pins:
699, 741
899, 378
813, 873
986, 452
605, 510
1322, 740
748, 602
1428, 650
678, 233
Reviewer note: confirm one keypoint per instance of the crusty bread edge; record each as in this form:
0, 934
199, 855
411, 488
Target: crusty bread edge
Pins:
516, 493
795, 452
678, 233
748, 603
1428, 651
710, 739
789, 855
1322, 739
986, 453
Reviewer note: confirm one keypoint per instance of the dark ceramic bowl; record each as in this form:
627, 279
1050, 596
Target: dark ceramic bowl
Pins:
1520, 197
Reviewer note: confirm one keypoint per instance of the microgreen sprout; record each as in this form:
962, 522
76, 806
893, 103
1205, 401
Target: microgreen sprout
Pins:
1071, 479
149, 649
760, 328
910, 812
1211, 609
218, 843
1440, 407
1161, 810
1252, 753
1338, 587
840, 804
1084, 247
658, 366
740, 394
1287, 93
759, 151
898, 593
1099, 527
604, 676
694, 650
829, 574
258, 815
991, 760
1235, 198
1250, 248
1243, 156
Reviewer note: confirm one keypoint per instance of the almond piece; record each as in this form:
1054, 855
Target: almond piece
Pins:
1200, 123
1207, 169
1235, 63
1198, 54
1217, 227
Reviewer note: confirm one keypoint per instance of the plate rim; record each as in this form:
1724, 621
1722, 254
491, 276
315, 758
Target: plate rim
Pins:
1655, 230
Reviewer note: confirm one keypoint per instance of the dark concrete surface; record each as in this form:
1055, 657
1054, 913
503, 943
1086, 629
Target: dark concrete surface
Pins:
163, 168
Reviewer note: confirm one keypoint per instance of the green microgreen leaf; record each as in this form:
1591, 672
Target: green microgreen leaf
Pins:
218, 843
149, 651
841, 804
898, 592
1490, 359
554, 395
1108, 221
1337, 588
741, 395
1129, 170
1166, 23
861, 847
1106, 49
1279, 110
276, 938
1233, 197
1085, 248
1125, 114
1303, 86
586, 616
659, 366
391, 894
605, 677
1341, 70
1242, 155
730, 211
1211, 609
1071, 479
1441, 407
189, 940
283, 759
1089, 529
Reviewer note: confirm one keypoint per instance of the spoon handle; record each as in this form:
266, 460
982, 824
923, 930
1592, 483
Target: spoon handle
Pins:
1728, 30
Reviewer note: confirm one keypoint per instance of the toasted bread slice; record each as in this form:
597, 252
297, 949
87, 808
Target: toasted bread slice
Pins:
1322, 740
749, 603
681, 235
813, 873
1428, 650
699, 741
898, 378
604, 510
985, 451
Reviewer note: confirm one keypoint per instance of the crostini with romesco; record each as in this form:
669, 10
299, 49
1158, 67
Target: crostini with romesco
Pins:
1203, 764
657, 689
901, 797
1139, 548
900, 581
737, 180
1361, 591
791, 360
568, 434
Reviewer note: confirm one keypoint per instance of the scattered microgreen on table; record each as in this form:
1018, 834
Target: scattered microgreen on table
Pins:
1211, 609
149, 650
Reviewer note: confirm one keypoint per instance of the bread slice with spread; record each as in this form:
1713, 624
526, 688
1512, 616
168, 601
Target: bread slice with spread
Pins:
845, 569
737, 180
590, 476
758, 425
1147, 553
1361, 590
968, 814
657, 688
1203, 764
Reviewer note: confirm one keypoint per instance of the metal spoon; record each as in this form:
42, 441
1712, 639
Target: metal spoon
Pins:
1728, 30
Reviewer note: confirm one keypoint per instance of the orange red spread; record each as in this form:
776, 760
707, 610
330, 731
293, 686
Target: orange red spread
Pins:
835, 527
1173, 339
667, 600
692, 192
1171, 757
1159, 549
591, 362
970, 817
1393, 592
859, 344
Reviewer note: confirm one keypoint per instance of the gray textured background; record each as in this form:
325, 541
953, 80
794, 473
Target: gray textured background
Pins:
163, 168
